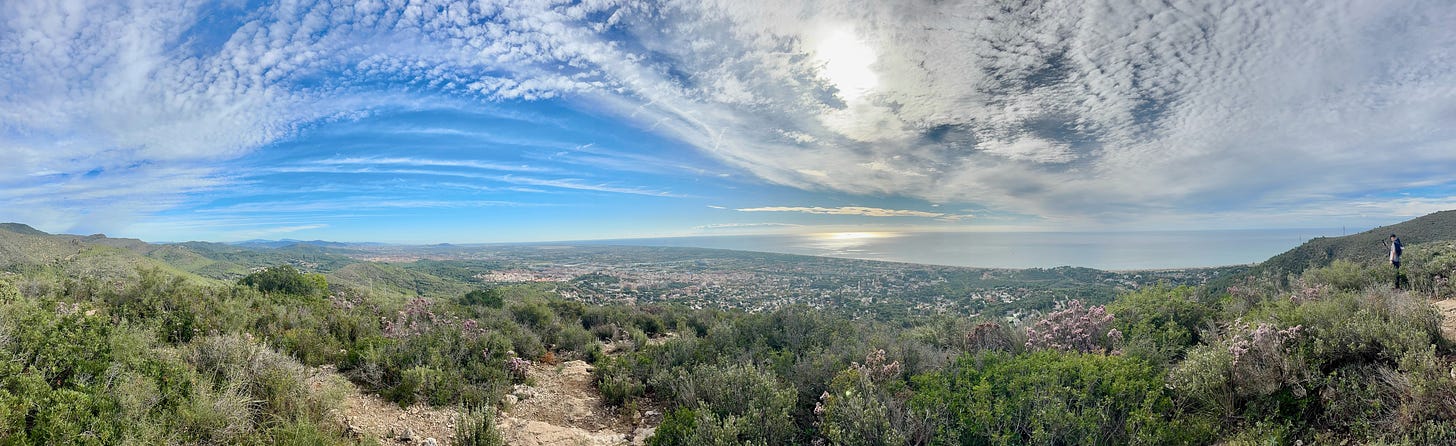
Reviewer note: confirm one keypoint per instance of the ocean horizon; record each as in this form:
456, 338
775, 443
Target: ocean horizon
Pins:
1146, 250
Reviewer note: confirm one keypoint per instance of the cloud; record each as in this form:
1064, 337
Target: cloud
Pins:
356, 204
558, 183
388, 161
858, 210
1060, 109
742, 226
1064, 109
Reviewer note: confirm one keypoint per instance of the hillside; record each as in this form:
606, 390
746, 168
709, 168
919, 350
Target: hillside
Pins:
228, 262
98, 256
1364, 247
388, 280
25, 249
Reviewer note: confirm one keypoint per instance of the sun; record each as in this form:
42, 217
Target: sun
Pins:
847, 62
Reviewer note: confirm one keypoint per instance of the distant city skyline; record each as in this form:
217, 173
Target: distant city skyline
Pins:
520, 121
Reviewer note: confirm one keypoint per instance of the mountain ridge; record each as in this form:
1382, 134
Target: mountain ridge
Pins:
1363, 247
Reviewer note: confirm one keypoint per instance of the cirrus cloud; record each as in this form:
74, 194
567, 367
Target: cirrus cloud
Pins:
860, 211
1060, 109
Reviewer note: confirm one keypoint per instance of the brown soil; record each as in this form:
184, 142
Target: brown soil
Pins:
1448, 322
370, 416
559, 406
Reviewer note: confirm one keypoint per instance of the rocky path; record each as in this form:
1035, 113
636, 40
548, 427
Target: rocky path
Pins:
557, 407
369, 416
1448, 322
560, 407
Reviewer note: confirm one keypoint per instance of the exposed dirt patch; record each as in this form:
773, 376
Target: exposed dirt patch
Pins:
558, 407
561, 407
1448, 322
370, 416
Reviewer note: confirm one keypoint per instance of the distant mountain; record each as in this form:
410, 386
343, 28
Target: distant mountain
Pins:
1364, 247
23, 248
21, 228
282, 243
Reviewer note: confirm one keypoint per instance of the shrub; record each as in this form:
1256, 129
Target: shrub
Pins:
861, 406
476, 427
702, 427
8, 292
285, 279
1159, 323
1075, 327
489, 297
1052, 397
990, 336
1431, 268
573, 338
518, 368
1342, 275
753, 402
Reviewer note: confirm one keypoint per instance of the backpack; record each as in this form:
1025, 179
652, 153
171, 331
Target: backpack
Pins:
1398, 248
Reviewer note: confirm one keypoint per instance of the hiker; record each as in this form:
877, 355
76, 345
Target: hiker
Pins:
1395, 251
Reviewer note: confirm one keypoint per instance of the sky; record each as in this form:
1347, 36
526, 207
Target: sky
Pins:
500, 121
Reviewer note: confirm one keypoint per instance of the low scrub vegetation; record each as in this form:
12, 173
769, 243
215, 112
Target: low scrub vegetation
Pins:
1333, 355
191, 363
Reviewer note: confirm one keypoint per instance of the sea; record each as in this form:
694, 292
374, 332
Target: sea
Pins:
1114, 251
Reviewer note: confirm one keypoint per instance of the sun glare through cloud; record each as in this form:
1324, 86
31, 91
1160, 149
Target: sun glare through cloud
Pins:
847, 62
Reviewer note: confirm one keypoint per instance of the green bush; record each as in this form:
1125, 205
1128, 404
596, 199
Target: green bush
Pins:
703, 427
284, 279
476, 427
68, 375
1158, 323
861, 409
1431, 269
1053, 397
756, 403
1342, 275
489, 297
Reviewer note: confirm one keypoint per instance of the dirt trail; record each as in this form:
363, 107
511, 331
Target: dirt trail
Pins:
370, 416
1448, 322
560, 407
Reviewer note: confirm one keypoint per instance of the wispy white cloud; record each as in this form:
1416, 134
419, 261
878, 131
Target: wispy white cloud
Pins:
394, 161
355, 204
745, 226
1061, 109
860, 211
558, 183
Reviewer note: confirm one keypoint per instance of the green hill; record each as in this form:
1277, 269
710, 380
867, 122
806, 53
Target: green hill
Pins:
25, 249
229, 262
1364, 247
396, 281
20, 228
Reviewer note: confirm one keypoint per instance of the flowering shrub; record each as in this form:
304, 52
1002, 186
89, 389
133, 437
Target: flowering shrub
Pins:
1261, 358
876, 368
989, 336
1075, 327
412, 320
518, 368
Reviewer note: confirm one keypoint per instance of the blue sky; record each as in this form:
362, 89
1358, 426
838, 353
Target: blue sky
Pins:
441, 121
